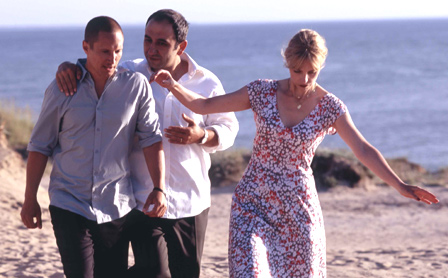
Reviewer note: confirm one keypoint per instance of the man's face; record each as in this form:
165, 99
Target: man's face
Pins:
104, 54
160, 46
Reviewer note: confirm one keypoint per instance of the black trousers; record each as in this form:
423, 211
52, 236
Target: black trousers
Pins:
89, 249
172, 247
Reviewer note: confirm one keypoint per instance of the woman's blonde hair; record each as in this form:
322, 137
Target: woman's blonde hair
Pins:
306, 45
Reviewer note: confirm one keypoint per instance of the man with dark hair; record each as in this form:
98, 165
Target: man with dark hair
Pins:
188, 140
100, 24
177, 21
89, 136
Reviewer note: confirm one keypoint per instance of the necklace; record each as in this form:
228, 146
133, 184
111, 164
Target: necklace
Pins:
303, 97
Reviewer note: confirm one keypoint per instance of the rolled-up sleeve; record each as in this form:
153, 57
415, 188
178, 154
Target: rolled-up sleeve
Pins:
44, 137
148, 127
225, 126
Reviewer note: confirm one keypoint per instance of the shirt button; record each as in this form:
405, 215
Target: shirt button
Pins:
97, 151
98, 129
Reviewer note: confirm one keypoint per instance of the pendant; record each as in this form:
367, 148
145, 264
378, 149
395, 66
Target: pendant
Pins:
299, 106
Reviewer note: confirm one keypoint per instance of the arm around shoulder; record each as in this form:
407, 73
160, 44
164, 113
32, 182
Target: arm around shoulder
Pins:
67, 76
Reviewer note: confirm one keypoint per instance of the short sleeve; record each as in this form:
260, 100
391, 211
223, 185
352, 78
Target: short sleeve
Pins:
335, 109
261, 93
44, 137
148, 126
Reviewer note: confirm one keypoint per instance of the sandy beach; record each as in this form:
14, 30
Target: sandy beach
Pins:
375, 233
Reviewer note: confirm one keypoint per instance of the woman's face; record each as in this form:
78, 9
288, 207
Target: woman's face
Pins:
303, 78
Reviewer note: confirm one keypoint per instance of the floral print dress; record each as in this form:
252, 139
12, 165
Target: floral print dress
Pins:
276, 225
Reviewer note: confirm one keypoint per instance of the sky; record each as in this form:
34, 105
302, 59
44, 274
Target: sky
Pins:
24, 13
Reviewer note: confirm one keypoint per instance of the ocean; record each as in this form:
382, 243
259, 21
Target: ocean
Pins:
392, 74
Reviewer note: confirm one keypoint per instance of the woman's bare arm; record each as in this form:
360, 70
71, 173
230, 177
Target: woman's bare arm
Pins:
236, 101
374, 160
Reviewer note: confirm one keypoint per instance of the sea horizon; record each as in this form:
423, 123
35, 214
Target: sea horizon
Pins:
391, 73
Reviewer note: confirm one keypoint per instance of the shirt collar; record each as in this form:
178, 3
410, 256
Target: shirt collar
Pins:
193, 67
82, 64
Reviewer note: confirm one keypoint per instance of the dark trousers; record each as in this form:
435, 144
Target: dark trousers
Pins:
89, 249
173, 249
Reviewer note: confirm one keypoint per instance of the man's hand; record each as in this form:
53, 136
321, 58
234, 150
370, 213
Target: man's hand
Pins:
155, 160
185, 135
157, 201
31, 214
66, 77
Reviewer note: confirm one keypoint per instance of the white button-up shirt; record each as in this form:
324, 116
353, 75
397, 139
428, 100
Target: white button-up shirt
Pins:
187, 182
90, 140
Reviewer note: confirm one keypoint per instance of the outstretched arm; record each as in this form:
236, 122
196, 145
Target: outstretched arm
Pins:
373, 160
66, 77
236, 101
31, 212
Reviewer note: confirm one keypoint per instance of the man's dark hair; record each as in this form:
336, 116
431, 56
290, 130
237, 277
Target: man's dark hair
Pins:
178, 21
100, 24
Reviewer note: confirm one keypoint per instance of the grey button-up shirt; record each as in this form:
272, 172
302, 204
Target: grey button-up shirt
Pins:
90, 140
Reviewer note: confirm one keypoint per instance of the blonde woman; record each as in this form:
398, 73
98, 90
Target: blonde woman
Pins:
276, 226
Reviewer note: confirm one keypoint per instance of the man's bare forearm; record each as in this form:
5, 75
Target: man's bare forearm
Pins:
34, 171
155, 161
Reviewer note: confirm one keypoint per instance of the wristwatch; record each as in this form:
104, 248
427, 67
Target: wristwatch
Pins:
204, 139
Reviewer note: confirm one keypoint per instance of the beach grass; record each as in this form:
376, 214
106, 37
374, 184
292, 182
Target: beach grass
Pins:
17, 124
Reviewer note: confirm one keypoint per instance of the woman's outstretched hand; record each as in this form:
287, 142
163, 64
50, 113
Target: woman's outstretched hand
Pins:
163, 78
417, 193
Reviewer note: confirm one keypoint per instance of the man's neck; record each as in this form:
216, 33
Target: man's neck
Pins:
99, 88
100, 83
179, 70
